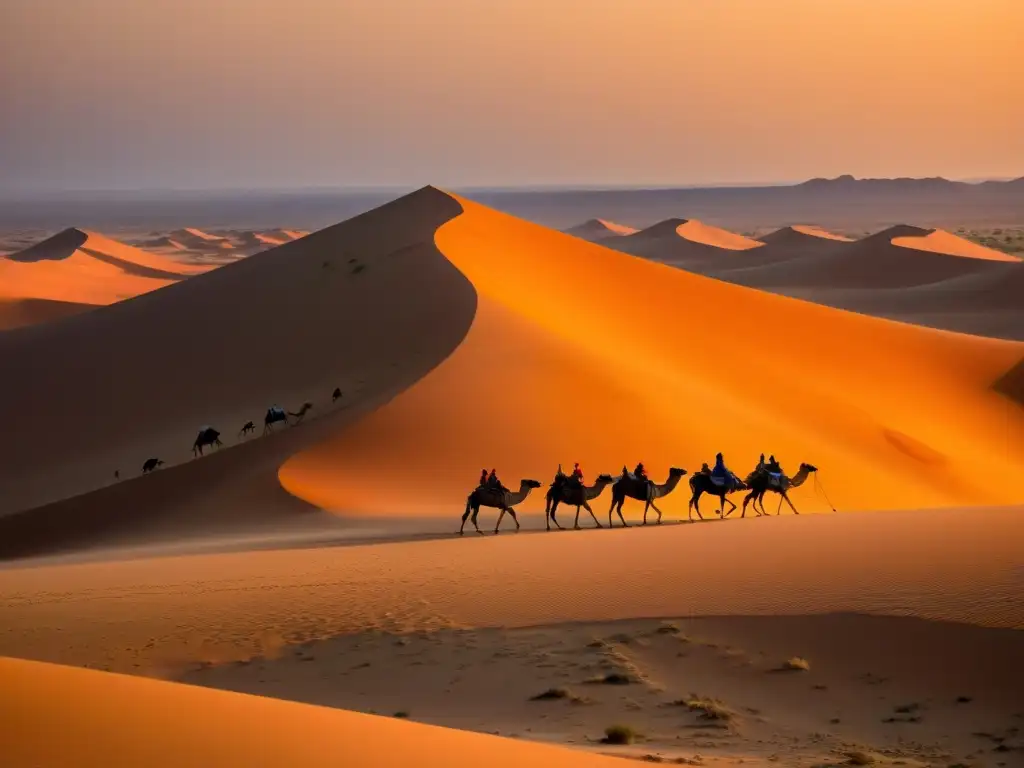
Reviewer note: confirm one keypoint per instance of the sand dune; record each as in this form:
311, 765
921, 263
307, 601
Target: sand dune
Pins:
126, 723
646, 394
596, 230
343, 307
684, 241
16, 313
940, 241
635, 386
874, 262
81, 267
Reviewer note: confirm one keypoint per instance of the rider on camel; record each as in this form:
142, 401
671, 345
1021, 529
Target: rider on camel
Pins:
773, 465
494, 483
640, 473
577, 474
483, 477
722, 471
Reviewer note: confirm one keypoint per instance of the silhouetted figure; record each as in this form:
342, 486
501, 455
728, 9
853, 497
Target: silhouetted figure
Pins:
564, 492
773, 465
206, 436
497, 497
639, 487
117, 474
577, 474
762, 482
275, 414
302, 412
150, 464
246, 429
336, 395
483, 478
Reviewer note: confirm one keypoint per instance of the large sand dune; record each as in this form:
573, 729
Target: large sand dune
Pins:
632, 368
77, 718
84, 268
343, 307
629, 367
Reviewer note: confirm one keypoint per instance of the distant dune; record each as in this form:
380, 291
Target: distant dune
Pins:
940, 241
127, 723
798, 235
685, 242
78, 267
596, 230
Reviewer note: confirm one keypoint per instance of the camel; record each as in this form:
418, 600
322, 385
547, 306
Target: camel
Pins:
336, 395
701, 483
275, 413
498, 498
206, 436
562, 491
760, 482
302, 412
246, 429
150, 465
641, 490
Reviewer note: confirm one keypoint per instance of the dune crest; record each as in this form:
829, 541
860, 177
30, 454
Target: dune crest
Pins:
126, 724
609, 388
940, 241
596, 230
801, 233
80, 267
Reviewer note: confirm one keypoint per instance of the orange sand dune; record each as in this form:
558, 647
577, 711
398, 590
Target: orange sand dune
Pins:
799, 233
64, 716
344, 307
654, 363
874, 262
940, 241
81, 267
596, 230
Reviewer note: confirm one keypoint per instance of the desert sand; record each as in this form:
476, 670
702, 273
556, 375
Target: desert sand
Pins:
75, 270
319, 563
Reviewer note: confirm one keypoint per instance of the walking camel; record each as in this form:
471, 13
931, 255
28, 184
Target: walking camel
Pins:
150, 465
641, 490
246, 429
703, 482
206, 436
562, 491
302, 412
762, 481
499, 499
275, 413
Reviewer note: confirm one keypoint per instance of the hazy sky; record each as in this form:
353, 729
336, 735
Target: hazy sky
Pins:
242, 93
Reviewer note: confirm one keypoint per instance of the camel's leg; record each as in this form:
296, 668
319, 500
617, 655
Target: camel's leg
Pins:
731, 505
689, 507
515, 519
554, 506
647, 505
621, 502
786, 497
779, 510
476, 511
500, 516
746, 500
696, 505
591, 511
610, 510
655, 508
465, 515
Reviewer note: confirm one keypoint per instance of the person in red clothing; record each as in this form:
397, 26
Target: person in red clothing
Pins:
577, 473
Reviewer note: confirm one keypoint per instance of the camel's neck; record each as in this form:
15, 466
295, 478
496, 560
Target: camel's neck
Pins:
593, 491
668, 486
520, 495
800, 477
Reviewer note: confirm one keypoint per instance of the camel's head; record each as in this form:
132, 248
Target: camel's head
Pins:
605, 479
676, 472
809, 467
530, 484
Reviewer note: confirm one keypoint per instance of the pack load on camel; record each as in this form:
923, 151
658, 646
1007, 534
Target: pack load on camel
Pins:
275, 414
207, 436
498, 497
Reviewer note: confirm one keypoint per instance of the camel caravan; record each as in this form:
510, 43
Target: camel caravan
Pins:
570, 490
208, 437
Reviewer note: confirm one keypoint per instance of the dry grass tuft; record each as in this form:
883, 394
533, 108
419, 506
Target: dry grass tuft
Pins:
560, 694
619, 734
707, 708
797, 664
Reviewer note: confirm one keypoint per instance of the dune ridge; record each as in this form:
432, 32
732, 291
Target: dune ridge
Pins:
596, 230
806, 403
342, 307
126, 724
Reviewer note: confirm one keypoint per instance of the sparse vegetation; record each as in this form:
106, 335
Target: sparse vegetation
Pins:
906, 709
668, 628
860, 757
402, 714
796, 664
619, 734
964, 699
707, 708
358, 268
559, 694
612, 678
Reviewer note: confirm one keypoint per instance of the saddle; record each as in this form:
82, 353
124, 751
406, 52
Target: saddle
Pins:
775, 479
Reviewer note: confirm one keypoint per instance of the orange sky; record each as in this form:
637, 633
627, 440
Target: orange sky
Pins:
108, 93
